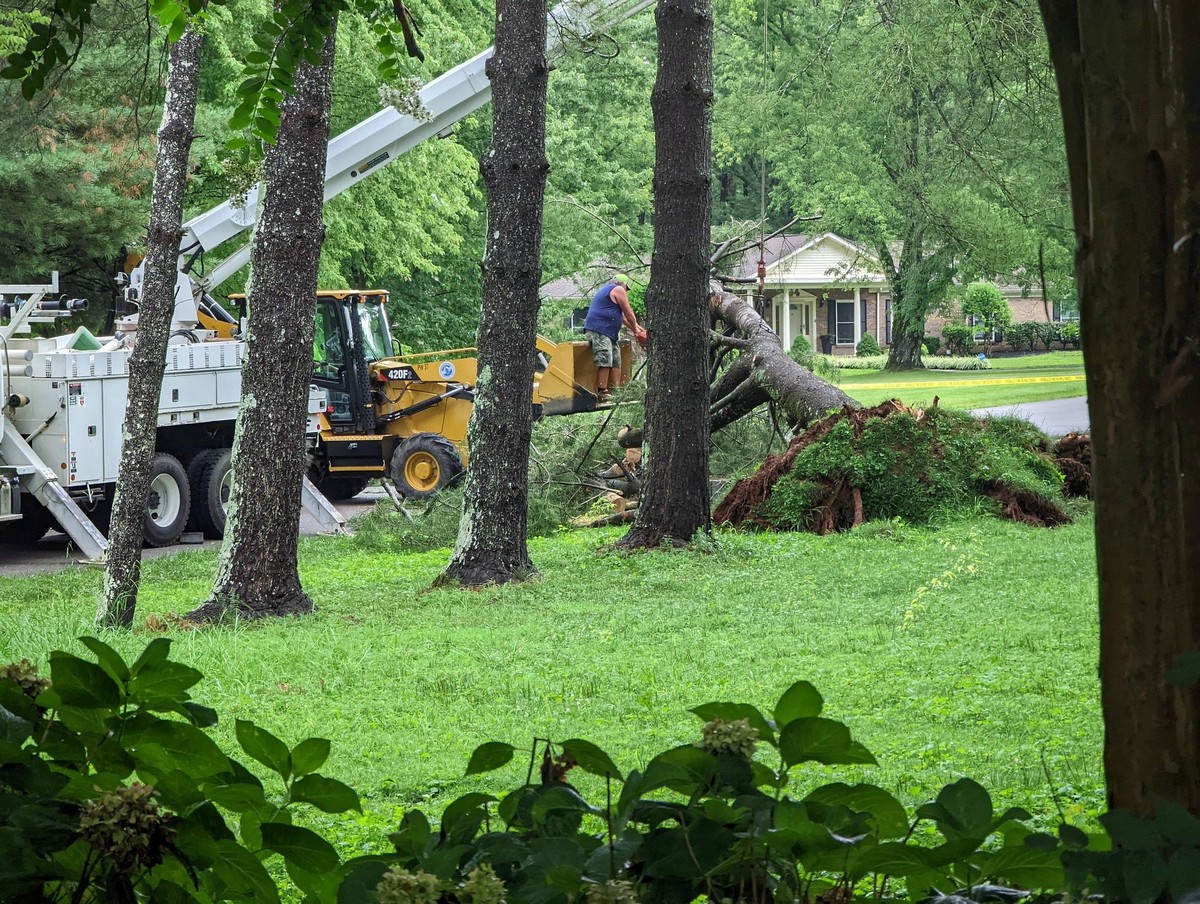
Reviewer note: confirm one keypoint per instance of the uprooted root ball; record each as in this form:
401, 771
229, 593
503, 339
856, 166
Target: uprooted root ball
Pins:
891, 461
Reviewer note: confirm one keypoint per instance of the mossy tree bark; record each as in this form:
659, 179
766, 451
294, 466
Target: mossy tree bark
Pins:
122, 571
675, 503
258, 575
1129, 81
492, 547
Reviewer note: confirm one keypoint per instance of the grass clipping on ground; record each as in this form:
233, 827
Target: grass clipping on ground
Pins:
892, 461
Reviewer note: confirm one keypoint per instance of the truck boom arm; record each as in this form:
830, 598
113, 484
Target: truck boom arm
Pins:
364, 149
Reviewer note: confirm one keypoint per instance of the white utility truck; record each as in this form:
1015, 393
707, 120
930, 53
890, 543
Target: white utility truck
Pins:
62, 399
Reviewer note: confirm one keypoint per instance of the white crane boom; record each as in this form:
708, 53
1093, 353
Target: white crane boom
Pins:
364, 149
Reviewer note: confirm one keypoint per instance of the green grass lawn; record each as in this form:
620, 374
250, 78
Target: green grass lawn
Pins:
965, 650
973, 389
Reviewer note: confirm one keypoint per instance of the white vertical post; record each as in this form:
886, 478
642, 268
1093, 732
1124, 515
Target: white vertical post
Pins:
857, 316
787, 320
879, 334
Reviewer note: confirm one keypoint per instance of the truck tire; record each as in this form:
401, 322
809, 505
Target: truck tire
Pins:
35, 521
211, 479
424, 464
168, 503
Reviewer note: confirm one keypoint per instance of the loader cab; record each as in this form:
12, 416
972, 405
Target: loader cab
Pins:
351, 332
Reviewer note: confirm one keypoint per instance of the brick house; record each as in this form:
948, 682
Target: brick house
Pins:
816, 286
825, 285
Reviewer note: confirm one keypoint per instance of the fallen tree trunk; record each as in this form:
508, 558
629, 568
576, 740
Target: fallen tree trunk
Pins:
762, 372
801, 397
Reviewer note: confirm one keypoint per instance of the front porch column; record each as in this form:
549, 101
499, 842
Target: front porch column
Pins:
787, 320
857, 316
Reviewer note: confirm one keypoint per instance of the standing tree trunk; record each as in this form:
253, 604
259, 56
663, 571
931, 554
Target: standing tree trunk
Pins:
123, 566
257, 575
1129, 80
675, 502
491, 545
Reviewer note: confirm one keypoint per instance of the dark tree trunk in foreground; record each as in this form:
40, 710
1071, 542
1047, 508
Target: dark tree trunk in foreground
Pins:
491, 545
257, 575
1129, 80
124, 560
675, 502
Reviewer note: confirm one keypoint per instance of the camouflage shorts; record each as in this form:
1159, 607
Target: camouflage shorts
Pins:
607, 352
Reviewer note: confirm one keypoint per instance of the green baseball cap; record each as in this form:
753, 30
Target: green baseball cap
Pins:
621, 278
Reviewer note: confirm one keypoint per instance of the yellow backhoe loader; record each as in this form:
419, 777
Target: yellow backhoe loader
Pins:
404, 416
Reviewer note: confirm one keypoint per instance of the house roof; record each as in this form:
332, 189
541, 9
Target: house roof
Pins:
779, 252
577, 286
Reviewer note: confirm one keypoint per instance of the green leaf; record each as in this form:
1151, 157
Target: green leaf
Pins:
164, 682
164, 745
156, 651
309, 755
83, 684
243, 873
1177, 825
963, 808
326, 794
1185, 669
14, 729
464, 815
1145, 876
237, 797
299, 845
1129, 831
1025, 866
890, 816
731, 712
814, 740
800, 701
591, 758
110, 660
1183, 874
201, 716
489, 757
258, 57
264, 747
894, 859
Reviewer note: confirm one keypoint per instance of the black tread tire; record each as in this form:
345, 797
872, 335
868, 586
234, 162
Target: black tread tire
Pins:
431, 447
206, 474
154, 533
35, 521
339, 489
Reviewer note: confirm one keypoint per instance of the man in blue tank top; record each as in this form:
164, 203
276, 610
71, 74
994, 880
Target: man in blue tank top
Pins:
602, 328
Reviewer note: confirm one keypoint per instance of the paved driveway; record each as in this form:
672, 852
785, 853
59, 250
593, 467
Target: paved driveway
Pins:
1057, 417
55, 551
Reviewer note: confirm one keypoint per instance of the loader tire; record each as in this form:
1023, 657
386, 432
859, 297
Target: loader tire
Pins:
424, 464
35, 521
168, 503
211, 479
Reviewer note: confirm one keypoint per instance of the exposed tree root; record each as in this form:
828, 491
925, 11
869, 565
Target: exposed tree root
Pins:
1074, 458
751, 492
837, 502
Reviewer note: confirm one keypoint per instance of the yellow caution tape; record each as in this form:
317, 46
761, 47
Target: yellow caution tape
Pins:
934, 384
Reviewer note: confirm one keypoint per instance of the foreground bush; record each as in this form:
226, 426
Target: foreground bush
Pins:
110, 790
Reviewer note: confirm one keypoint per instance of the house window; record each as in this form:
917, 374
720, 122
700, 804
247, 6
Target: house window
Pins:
887, 317
977, 322
844, 324
1064, 315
